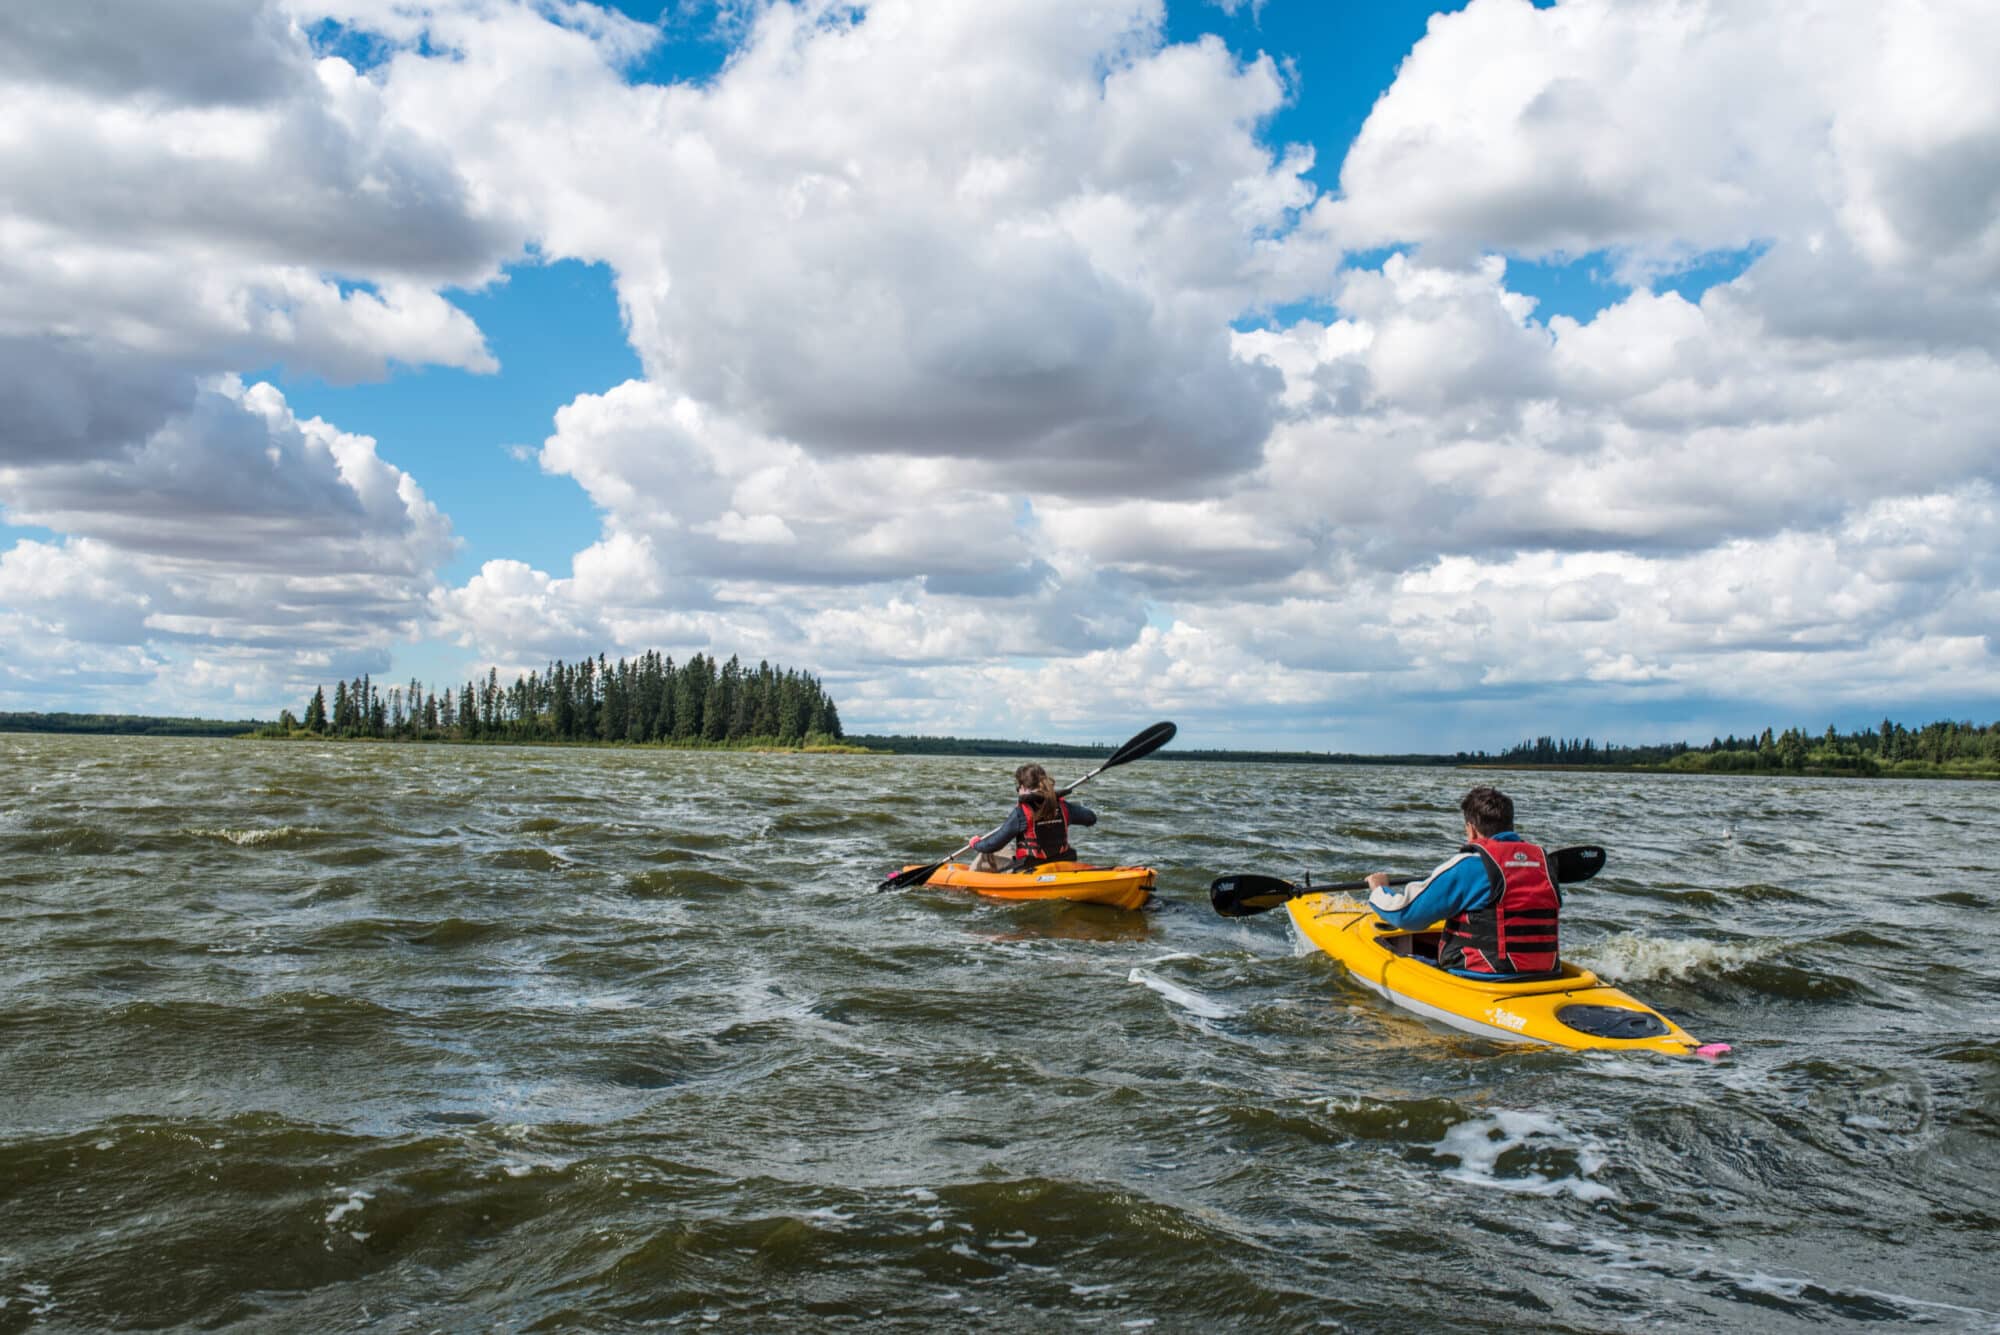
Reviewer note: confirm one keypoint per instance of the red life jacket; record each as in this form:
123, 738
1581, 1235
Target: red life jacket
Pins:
1516, 933
1045, 840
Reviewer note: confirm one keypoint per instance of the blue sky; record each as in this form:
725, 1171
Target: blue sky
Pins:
1004, 364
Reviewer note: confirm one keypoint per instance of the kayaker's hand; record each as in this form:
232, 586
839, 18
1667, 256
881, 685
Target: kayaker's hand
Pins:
1377, 879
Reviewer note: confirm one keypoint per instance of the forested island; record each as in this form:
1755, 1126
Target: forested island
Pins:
642, 700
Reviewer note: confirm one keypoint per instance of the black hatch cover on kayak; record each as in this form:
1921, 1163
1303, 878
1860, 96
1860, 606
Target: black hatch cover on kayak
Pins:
1612, 1021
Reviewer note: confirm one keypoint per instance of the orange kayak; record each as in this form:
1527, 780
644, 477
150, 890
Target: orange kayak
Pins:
1120, 887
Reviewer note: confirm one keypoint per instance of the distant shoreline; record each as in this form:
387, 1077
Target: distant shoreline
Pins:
901, 745
137, 725
128, 725
1907, 769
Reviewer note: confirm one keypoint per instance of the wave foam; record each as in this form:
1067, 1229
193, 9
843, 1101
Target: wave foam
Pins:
1629, 957
279, 834
1479, 1146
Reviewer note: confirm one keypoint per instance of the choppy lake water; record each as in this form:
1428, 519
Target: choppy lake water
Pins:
413, 1038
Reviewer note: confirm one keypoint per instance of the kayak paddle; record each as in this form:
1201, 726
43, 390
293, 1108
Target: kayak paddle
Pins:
1244, 893
918, 875
1147, 742
1142, 745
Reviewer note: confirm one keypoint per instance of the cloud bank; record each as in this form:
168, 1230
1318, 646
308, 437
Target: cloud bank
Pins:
999, 361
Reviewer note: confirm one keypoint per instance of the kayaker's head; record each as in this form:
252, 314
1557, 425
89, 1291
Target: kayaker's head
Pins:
1488, 812
1034, 781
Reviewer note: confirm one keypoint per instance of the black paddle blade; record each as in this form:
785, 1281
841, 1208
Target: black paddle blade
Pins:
1243, 893
1578, 863
914, 876
1147, 742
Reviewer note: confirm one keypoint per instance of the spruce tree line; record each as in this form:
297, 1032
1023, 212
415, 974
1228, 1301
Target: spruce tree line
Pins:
1943, 744
647, 699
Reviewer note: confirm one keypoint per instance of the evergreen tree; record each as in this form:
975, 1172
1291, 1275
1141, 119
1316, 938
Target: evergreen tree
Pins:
611, 715
316, 711
691, 692
720, 704
663, 724
764, 722
564, 707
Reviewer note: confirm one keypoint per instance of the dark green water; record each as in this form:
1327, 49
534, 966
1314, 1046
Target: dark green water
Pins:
417, 1038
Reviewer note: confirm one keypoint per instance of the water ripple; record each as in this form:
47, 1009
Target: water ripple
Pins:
331, 1037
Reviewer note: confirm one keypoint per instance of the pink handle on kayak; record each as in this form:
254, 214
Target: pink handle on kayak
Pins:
1711, 1051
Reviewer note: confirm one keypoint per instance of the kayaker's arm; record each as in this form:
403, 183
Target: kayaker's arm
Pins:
1015, 826
1079, 814
1459, 885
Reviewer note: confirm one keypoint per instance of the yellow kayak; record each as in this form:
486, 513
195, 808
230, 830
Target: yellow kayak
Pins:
1573, 1010
1120, 887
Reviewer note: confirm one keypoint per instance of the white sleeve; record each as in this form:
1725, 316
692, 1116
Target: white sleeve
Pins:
1396, 898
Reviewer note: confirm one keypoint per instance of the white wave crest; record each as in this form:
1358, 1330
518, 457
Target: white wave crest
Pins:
1630, 957
251, 838
356, 1201
1478, 1145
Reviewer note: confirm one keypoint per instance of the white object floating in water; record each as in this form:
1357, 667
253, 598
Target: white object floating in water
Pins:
1186, 998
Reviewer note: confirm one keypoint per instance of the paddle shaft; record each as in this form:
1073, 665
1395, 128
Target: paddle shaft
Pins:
1245, 893
918, 875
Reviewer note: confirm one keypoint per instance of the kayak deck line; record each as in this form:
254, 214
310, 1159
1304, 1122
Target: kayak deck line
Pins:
1574, 1009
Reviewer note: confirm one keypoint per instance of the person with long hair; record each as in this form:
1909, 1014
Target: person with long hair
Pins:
1038, 826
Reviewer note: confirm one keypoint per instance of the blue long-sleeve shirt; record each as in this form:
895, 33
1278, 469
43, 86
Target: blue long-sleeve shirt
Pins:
1458, 885
1017, 825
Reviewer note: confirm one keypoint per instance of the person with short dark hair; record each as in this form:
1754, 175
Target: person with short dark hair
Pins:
1496, 897
1038, 826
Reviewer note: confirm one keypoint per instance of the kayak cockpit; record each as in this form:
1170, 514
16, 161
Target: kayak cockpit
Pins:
1421, 947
